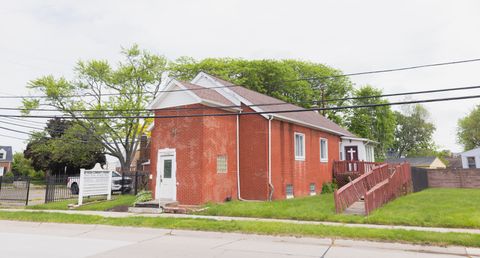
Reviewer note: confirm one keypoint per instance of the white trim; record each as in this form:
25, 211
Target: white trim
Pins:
165, 91
367, 141
301, 158
323, 160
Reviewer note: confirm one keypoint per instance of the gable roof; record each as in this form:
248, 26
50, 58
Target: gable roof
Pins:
207, 94
309, 118
417, 161
8, 150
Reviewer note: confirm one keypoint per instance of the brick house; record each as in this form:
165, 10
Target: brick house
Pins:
6, 159
196, 157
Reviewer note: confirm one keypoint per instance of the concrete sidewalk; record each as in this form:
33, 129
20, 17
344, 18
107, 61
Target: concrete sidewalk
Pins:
224, 218
54, 240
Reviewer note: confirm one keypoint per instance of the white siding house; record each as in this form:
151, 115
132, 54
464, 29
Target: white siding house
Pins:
357, 149
471, 158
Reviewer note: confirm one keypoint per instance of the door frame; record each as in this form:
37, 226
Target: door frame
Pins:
161, 154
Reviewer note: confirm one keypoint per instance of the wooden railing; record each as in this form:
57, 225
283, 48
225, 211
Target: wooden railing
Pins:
347, 166
397, 184
356, 189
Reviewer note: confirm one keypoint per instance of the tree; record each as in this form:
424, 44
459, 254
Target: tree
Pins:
468, 130
413, 134
22, 166
64, 146
99, 92
376, 123
276, 78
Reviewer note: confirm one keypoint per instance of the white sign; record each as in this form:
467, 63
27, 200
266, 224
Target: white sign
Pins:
96, 181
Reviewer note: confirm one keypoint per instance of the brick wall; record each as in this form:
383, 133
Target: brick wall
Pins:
459, 178
7, 166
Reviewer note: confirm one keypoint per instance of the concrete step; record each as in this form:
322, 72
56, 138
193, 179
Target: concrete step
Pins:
357, 208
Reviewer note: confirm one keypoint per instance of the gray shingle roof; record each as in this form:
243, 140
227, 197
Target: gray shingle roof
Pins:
417, 161
207, 94
309, 117
8, 150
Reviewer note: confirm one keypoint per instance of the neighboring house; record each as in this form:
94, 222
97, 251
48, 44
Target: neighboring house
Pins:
454, 162
471, 158
6, 159
420, 162
241, 154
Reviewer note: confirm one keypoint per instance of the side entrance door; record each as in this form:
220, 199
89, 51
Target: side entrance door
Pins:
166, 175
351, 154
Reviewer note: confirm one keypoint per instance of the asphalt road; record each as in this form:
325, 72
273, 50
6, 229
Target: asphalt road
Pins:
27, 239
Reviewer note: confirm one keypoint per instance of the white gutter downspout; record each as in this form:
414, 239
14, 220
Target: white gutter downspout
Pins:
270, 158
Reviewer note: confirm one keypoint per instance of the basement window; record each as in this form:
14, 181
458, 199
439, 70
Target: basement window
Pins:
299, 146
289, 191
313, 190
222, 164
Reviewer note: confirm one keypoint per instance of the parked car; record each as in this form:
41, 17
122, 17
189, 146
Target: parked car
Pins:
117, 184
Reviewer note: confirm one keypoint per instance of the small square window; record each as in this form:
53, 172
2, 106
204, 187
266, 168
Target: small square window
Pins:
313, 190
2, 156
299, 146
323, 150
289, 191
221, 164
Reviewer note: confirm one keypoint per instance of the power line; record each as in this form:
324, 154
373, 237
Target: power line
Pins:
387, 70
283, 81
13, 137
25, 126
261, 112
259, 105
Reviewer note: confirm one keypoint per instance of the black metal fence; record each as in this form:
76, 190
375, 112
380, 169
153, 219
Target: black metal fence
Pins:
419, 179
14, 189
61, 187
133, 182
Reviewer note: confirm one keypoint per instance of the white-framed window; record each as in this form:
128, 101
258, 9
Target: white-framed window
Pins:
2, 155
471, 162
222, 164
313, 190
323, 150
299, 146
340, 151
289, 191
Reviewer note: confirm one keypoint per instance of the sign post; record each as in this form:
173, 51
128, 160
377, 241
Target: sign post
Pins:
96, 181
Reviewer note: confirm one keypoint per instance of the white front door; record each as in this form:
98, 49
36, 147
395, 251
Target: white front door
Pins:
166, 175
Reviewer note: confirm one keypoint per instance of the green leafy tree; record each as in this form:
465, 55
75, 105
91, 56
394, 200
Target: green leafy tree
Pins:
413, 134
276, 78
107, 91
468, 130
64, 146
376, 123
22, 166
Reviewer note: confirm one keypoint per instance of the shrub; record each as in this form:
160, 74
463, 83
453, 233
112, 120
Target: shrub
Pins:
329, 187
144, 196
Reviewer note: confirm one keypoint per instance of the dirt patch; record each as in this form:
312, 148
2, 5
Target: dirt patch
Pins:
121, 208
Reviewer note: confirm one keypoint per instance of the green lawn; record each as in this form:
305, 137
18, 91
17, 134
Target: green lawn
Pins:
434, 207
93, 204
254, 227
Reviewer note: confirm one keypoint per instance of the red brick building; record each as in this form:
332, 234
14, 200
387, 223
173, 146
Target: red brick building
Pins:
6, 159
197, 157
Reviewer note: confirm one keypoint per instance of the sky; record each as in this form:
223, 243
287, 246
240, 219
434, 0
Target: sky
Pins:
48, 37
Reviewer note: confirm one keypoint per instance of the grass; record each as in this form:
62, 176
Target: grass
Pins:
253, 227
435, 207
92, 204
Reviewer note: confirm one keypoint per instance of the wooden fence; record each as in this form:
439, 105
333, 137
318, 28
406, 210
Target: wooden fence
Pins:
356, 189
397, 184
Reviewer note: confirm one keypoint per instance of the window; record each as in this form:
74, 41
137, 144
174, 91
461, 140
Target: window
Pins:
340, 150
313, 189
167, 168
289, 191
2, 155
299, 146
471, 162
222, 164
323, 150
